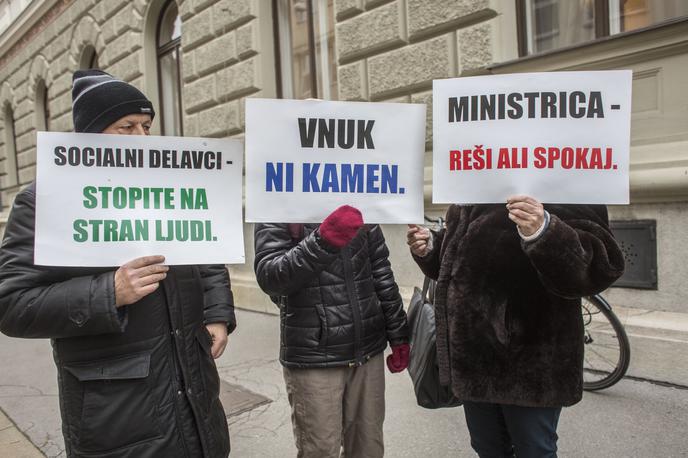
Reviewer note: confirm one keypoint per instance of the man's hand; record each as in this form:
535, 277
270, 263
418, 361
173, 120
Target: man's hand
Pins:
418, 239
218, 332
138, 278
527, 213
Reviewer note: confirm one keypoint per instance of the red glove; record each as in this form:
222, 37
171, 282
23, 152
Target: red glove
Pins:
341, 226
399, 359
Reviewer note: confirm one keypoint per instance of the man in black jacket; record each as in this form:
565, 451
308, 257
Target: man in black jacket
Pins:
339, 306
134, 346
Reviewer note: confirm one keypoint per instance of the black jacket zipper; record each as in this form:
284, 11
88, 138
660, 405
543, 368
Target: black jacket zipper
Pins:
353, 301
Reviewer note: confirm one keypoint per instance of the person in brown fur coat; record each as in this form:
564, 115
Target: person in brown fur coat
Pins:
508, 313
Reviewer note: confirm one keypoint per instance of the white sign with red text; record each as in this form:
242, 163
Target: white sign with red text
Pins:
561, 137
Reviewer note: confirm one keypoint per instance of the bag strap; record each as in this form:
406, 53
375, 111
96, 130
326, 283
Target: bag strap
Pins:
427, 285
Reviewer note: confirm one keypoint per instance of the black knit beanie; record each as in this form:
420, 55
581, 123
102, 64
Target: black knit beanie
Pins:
99, 100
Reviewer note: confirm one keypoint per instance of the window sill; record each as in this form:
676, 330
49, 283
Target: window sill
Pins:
670, 37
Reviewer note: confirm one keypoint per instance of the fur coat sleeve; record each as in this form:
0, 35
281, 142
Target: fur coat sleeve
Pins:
577, 257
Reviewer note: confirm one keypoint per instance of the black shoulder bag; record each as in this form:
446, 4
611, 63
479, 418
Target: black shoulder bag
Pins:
423, 367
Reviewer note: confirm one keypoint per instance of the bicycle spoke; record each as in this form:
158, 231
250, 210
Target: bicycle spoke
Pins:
611, 363
610, 346
592, 367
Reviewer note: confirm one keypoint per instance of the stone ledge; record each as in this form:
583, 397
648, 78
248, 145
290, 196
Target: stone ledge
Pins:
436, 17
200, 94
197, 30
197, 6
219, 121
230, 14
352, 81
213, 55
246, 40
475, 48
411, 68
371, 33
658, 172
370, 4
345, 9
238, 80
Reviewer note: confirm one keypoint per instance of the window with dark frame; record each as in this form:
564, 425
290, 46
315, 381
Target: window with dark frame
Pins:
42, 113
89, 58
46, 108
305, 56
547, 25
93, 61
10, 159
168, 45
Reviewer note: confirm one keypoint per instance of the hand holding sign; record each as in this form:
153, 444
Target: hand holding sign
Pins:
419, 239
341, 226
527, 213
138, 278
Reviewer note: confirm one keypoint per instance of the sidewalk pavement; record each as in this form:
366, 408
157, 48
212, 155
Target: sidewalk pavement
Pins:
13, 443
659, 344
631, 419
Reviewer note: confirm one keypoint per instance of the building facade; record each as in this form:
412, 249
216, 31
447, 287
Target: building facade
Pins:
198, 60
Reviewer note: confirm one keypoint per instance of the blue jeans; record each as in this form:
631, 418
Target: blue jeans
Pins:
500, 430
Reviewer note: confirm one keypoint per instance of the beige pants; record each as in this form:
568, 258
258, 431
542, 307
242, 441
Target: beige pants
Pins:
338, 408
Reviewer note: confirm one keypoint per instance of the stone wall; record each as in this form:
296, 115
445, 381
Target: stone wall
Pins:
672, 251
223, 61
387, 50
391, 51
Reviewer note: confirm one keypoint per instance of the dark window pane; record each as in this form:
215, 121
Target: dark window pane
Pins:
297, 55
41, 106
10, 149
89, 58
169, 93
46, 108
169, 43
300, 51
170, 25
326, 65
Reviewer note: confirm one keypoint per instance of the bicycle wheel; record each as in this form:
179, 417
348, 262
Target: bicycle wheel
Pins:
607, 350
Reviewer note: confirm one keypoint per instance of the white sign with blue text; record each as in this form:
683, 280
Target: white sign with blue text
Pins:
305, 158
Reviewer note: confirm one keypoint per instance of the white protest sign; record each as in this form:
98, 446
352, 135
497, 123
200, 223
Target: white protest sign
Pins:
305, 158
103, 200
561, 137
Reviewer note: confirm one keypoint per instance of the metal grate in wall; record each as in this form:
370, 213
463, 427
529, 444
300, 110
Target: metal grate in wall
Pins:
638, 241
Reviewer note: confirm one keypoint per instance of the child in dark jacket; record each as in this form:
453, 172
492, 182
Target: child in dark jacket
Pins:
339, 307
